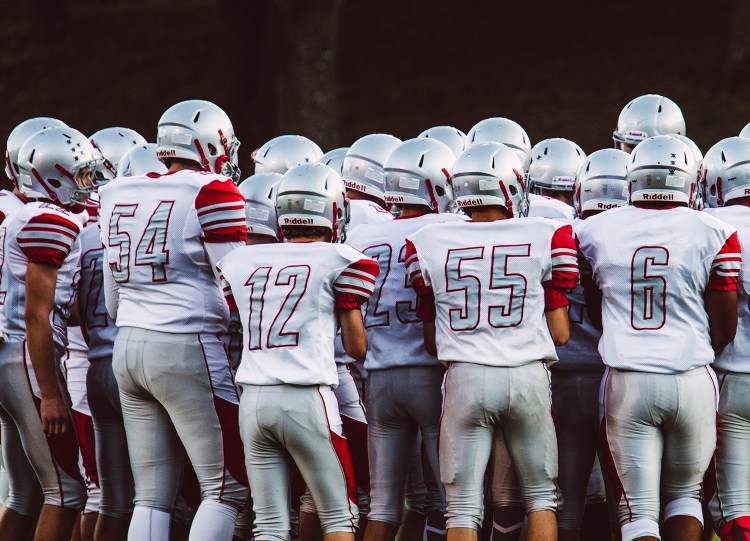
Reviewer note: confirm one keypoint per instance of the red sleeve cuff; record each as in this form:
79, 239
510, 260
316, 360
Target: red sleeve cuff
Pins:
349, 301
722, 283
554, 297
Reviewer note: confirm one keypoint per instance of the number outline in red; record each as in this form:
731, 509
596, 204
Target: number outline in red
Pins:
646, 261
152, 243
116, 267
406, 307
512, 287
281, 332
87, 309
465, 290
250, 283
378, 290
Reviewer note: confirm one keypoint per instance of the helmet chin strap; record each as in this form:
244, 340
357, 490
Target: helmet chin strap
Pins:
431, 192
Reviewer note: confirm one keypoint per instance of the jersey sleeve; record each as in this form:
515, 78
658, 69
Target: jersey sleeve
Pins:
356, 283
221, 212
725, 269
426, 310
226, 289
48, 238
564, 269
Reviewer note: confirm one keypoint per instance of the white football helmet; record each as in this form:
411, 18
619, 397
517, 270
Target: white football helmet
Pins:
57, 164
140, 160
505, 131
362, 170
490, 174
114, 143
554, 165
259, 192
312, 194
601, 181
453, 137
745, 131
18, 137
199, 131
662, 169
647, 116
284, 152
335, 159
725, 173
418, 172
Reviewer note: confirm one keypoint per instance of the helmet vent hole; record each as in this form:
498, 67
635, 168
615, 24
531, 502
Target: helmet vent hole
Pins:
440, 191
421, 160
31, 156
545, 151
588, 167
723, 157
493, 162
196, 117
659, 111
54, 182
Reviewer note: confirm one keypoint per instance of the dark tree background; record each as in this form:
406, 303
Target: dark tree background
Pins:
335, 70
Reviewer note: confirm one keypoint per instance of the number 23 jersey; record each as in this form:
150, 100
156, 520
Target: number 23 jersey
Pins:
653, 267
287, 295
492, 284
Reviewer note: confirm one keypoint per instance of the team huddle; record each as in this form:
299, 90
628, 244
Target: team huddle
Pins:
449, 337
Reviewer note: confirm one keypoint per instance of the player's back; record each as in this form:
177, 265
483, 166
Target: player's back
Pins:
653, 267
546, 207
9, 204
363, 212
394, 332
286, 295
40, 233
736, 356
487, 279
154, 228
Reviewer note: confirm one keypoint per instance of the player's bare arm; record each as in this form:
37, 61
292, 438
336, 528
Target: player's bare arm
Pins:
40, 300
721, 307
353, 332
559, 325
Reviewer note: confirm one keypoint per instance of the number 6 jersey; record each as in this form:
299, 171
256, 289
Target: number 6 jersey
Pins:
492, 283
287, 295
155, 229
653, 267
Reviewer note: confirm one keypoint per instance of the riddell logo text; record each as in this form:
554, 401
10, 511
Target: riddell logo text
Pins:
298, 221
394, 199
469, 203
355, 186
165, 154
658, 197
747, 191
605, 206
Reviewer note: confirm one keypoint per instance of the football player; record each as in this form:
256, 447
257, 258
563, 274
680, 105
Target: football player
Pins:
162, 236
505, 131
39, 262
403, 396
259, 192
667, 277
291, 297
551, 177
600, 185
727, 183
492, 295
284, 152
647, 116
453, 137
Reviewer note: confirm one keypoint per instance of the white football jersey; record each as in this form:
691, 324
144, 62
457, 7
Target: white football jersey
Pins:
362, 211
98, 328
287, 295
736, 356
580, 353
394, 332
153, 228
9, 204
546, 207
39, 233
487, 280
653, 267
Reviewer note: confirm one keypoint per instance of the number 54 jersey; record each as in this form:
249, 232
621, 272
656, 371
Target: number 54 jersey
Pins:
155, 229
492, 284
653, 267
287, 296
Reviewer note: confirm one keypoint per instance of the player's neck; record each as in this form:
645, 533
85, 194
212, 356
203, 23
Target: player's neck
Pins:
184, 165
411, 211
304, 240
355, 195
565, 197
489, 214
20, 195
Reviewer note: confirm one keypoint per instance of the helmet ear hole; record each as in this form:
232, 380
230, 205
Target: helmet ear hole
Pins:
212, 150
440, 191
512, 189
54, 182
712, 190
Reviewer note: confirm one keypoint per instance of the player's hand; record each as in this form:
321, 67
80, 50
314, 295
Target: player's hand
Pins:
55, 418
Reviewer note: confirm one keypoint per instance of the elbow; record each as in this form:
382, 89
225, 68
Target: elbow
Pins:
357, 348
561, 337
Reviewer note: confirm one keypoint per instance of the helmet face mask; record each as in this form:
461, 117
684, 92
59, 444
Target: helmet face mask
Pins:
418, 172
201, 132
488, 174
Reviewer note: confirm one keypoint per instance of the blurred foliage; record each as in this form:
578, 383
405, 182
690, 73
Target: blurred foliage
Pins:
562, 69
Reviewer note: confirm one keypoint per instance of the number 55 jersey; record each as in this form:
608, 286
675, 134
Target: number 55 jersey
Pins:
653, 267
492, 283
